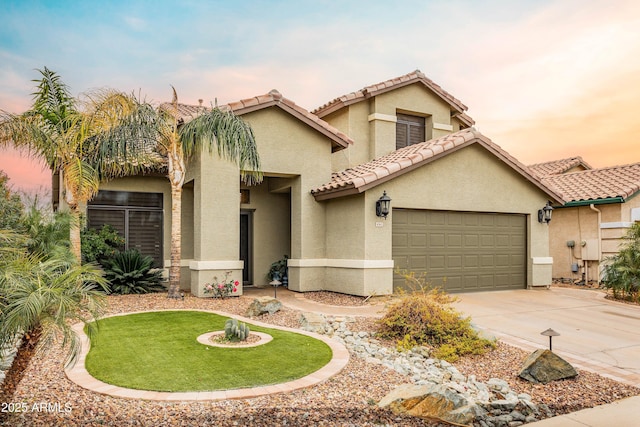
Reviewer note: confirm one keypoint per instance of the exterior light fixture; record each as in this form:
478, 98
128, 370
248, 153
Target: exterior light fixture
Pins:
382, 205
275, 283
550, 333
544, 214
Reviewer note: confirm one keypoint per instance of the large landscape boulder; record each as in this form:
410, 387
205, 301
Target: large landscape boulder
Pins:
543, 366
313, 322
432, 402
263, 305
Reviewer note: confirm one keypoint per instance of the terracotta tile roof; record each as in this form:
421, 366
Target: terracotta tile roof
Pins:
555, 167
392, 84
594, 184
273, 98
362, 177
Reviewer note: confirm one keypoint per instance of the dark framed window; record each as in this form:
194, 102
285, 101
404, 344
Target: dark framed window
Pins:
409, 130
137, 217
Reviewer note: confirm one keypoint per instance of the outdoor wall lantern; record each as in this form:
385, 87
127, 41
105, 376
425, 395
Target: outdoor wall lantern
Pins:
544, 214
382, 205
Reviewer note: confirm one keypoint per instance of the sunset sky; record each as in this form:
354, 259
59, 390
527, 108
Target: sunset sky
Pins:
544, 79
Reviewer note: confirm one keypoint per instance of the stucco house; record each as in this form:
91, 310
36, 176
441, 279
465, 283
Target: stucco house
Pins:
462, 209
601, 204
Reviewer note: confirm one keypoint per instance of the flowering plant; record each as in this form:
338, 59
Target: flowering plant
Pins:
222, 289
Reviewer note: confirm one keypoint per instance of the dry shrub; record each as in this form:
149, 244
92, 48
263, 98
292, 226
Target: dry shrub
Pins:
425, 316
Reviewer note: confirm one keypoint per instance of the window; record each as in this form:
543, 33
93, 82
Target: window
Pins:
136, 216
409, 130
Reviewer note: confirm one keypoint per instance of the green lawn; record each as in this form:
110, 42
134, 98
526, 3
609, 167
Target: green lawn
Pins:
158, 351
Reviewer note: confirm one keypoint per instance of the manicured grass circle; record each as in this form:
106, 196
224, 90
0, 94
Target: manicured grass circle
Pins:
158, 351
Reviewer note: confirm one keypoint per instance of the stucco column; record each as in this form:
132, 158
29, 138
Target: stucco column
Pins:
308, 233
216, 223
540, 263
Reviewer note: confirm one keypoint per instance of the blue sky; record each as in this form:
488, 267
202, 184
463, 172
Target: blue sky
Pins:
544, 79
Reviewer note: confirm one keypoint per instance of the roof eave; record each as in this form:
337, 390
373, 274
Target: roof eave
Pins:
603, 201
337, 143
479, 138
347, 190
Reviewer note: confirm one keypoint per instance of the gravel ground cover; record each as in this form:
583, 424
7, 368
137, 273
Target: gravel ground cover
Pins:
347, 399
334, 298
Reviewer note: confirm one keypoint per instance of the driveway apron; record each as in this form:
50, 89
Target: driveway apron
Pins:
596, 334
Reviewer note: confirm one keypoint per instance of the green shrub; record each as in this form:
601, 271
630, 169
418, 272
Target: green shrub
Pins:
129, 272
11, 207
425, 317
621, 272
100, 245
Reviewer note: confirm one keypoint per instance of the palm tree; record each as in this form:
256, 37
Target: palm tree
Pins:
42, 296
87, 140
212, 129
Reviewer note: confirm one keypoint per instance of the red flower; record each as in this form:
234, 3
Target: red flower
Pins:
236, 283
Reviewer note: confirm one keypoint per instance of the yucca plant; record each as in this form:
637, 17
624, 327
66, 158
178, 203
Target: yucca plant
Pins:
130, 272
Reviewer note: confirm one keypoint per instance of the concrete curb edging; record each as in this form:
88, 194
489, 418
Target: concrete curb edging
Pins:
79, 374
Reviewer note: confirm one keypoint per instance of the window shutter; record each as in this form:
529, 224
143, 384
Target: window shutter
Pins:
136, 216
409, 130
145, 234
401, 135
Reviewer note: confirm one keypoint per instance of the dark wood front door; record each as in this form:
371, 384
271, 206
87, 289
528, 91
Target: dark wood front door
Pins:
245, 247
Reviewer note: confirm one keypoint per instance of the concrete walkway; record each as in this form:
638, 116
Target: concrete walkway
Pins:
297, 301
596, 335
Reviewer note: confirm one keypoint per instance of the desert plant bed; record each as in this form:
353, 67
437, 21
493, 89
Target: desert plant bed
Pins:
159, 351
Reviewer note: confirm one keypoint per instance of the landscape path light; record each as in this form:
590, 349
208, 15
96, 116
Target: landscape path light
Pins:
275, 283
550, 333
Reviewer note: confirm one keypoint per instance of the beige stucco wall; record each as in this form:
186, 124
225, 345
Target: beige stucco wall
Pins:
371, 123
471, 179
216, 201
301, 156
581, 225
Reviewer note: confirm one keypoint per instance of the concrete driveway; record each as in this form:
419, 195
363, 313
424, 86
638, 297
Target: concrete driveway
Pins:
595, 334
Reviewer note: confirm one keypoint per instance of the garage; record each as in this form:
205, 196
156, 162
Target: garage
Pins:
461, 251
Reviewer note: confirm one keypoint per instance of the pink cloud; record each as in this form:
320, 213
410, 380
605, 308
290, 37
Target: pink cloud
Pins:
25, 174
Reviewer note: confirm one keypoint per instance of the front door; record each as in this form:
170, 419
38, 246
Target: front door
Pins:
245, 247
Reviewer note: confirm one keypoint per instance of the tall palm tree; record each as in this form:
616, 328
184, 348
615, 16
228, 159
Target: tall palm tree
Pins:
214, 130
86, 140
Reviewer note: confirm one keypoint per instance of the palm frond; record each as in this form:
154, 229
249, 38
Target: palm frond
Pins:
52, 98
81, 180
226, 134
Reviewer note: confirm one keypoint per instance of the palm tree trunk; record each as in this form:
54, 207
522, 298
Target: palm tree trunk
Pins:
176, 237
16, 372
74, 236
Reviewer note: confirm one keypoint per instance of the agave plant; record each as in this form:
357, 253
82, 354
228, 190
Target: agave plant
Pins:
130, 272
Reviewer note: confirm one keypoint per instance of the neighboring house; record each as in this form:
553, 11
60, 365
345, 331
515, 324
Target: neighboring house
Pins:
463, 210
601, 204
